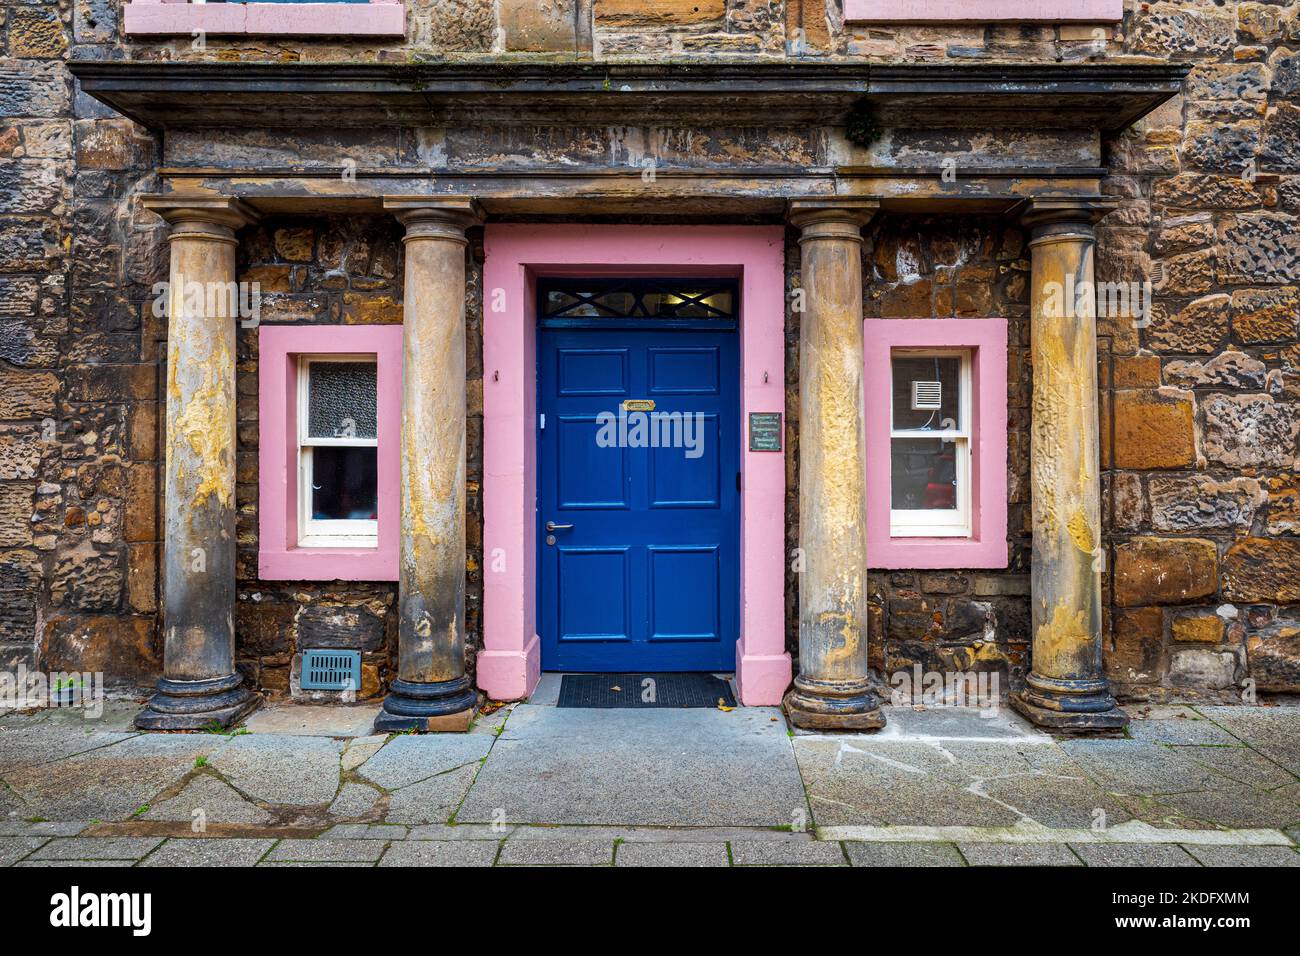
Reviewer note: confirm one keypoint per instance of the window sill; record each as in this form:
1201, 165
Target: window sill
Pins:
156, 18
983, 11
327, 564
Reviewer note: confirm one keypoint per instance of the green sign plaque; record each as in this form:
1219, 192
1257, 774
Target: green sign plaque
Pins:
764, 431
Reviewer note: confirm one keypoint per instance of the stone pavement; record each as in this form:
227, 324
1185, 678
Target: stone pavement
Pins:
305, 785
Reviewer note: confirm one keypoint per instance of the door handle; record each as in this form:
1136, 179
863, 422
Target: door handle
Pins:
552, 526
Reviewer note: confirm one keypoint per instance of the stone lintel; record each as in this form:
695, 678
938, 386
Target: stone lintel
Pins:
176, 208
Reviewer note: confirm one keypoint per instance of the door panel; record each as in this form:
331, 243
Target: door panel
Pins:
647, 576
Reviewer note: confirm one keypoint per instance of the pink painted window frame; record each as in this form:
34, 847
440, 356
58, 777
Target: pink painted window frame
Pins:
986, 546
279, 558
509, 665
170, 17
983, 11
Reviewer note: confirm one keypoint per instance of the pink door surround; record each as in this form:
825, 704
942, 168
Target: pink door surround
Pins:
509, 665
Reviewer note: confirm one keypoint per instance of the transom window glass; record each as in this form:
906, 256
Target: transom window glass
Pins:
338, 451
607, 302
930, 444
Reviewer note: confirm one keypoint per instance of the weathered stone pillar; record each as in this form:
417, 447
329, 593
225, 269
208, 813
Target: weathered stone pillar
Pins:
200, 686
832, 691
1066, 687
431, 691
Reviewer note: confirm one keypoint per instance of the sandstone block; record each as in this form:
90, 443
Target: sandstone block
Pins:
1151, 571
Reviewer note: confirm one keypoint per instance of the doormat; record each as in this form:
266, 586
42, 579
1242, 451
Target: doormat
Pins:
644, 690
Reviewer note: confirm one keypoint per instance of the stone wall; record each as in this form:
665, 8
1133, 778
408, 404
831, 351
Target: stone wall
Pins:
1201, 402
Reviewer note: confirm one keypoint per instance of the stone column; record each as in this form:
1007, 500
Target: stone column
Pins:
200, 686
832, 690
431, 691
1066, 687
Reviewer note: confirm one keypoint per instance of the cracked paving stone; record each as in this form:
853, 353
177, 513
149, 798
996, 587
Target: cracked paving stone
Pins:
354, 800
526, 852
1245, 855
1232, 806
949, 783
358, 751
786, 853
408, 759
903, 854
111, 783
1180, 730
364, 831
1133, 854
97, 848
327, 851
442, 853
219, 802
211, 851
672, 854
1018, 854
13, 849
289, 770
433, 800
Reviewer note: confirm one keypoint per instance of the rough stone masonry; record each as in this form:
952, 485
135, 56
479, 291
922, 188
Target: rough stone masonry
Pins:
1200, 405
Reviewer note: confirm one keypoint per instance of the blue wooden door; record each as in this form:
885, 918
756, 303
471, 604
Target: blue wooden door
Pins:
642, 572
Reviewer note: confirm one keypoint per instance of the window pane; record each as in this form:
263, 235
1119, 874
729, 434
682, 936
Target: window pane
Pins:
927, 370
924, 474
345, 483
341, 401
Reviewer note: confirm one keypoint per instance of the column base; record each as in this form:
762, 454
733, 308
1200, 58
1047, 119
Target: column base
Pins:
441, 706
1068, 704
198, 704
833, 705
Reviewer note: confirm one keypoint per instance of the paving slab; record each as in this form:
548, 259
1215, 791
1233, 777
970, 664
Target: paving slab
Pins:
328, 864
770, 853
672, 854
1245, 855
313, 720
111, 783
45, 828
216, 800
442, 853
35, 743
557, 853
956, 723
1136, 767
97, 848
408, 758
327, 851
62, 864
211, 851
433, 800
1011, 854
1184, 730
282, 769
1232, 805
13, 849
690, 767
360, 749
1240, 763
1133, 854
354, 800
903, 854
1273, 731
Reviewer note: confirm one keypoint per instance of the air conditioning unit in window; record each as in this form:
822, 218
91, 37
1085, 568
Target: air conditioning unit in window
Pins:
927, 396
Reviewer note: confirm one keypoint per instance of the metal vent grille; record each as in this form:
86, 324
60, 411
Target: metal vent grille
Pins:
927, 396
331, 670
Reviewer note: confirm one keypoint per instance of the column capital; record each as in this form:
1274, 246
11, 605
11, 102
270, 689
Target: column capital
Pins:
435, 217
1073, 212
225, 212
831, 217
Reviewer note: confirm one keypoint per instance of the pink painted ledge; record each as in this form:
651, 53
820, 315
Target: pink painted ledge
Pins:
987, 545
162, 17
509, 665
278, 557
979, 11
